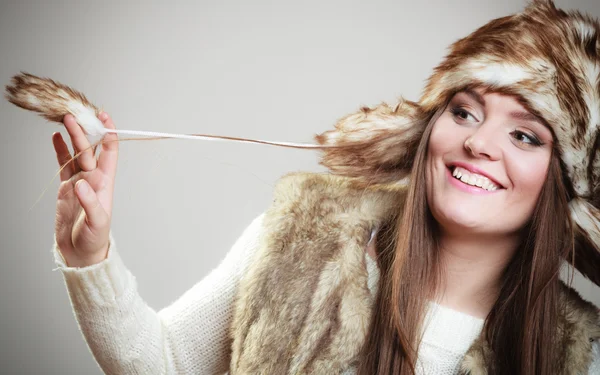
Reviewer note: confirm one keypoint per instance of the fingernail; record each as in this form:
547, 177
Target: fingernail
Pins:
103, 116
82, 186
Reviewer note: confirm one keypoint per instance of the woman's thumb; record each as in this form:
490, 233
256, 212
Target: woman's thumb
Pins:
94, 212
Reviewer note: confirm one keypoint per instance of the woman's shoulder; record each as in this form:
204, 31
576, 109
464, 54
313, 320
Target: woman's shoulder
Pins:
298, 184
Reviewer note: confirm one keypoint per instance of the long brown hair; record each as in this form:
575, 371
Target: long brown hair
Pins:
521, 326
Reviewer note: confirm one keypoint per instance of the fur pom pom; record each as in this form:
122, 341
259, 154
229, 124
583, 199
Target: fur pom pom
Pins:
376, 145
53, 100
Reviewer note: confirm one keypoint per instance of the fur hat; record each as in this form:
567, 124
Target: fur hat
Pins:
549, 59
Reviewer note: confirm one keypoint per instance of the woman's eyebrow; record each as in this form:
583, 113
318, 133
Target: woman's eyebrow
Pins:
475, 96
527, 116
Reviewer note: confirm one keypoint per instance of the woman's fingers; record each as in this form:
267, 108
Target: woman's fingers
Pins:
86, 160
63, 156
107, 161
95, 213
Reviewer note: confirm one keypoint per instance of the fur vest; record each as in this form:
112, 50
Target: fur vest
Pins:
304, 307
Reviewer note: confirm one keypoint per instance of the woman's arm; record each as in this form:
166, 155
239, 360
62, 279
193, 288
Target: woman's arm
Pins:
126, 336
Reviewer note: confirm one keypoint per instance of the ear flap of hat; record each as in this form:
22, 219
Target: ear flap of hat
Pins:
587, 239
376, 145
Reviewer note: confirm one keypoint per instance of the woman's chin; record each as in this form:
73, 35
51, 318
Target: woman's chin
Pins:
462, 220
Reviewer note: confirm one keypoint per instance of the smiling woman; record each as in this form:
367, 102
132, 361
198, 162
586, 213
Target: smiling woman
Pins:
433, 246
486, 139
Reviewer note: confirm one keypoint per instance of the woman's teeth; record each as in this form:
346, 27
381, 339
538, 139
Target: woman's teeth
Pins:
474, 179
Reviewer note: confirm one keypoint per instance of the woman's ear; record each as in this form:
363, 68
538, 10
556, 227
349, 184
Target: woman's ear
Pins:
377, 144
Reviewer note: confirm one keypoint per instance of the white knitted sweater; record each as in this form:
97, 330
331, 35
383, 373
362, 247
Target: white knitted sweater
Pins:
190, 336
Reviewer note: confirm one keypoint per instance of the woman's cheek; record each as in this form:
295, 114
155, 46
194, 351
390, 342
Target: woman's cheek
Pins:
528, 175
444, 136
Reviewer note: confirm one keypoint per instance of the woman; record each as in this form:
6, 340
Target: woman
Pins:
454, 269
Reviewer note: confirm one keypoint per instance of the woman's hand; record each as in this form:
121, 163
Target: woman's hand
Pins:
85, 195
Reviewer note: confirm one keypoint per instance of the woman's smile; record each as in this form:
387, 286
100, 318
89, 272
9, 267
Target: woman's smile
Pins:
471, 182
469, 178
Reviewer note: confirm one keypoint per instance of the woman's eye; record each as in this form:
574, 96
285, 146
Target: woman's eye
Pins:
462, 114
525, 138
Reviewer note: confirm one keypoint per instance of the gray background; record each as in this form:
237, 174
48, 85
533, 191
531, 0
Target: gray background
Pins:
266, 69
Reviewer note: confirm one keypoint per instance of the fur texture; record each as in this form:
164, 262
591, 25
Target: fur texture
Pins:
53, 100
376, 144
304, 306
546, 57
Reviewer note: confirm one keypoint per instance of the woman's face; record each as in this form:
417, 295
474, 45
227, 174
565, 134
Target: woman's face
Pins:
486, 164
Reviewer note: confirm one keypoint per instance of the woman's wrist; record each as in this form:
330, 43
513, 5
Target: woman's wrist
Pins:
80, 262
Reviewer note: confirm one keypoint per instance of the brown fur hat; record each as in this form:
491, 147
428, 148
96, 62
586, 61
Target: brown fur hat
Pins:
546, 57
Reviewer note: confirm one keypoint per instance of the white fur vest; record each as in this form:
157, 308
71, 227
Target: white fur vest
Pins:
304, 306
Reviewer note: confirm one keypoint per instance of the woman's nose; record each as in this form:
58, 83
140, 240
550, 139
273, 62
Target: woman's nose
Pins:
483, 143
